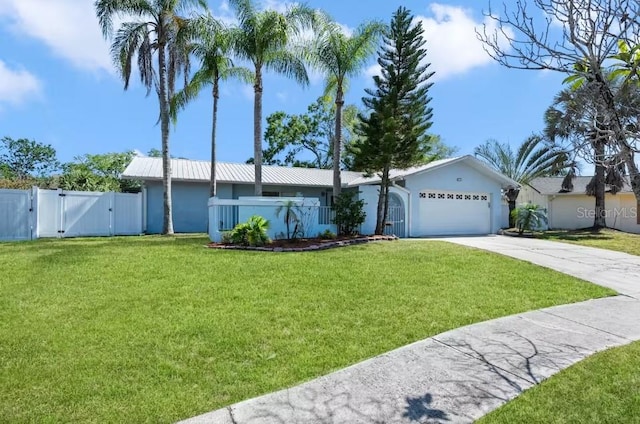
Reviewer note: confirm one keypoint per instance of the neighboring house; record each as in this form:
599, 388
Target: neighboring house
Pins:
446, 197
571, 210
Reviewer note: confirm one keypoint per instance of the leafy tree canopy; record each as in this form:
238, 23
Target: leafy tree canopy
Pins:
24, 159
98, 173
306, 140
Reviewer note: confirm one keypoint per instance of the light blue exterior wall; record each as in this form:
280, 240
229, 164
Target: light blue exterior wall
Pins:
190, 211
244, 190
189, 207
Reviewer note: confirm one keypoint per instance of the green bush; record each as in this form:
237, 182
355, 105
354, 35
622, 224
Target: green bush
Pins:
349, 213
327, 235
250, 233
529, 217
227, 237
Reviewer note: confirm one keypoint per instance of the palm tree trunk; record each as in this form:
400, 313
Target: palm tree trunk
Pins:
216, 96
512, 196
634, 178
167, 218
337, 143
599, 220
257, 131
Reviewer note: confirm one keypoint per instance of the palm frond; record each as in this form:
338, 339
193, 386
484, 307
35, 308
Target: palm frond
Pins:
107, 10
287, 64
132, 38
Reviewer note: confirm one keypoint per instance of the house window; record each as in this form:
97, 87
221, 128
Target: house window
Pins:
270, 194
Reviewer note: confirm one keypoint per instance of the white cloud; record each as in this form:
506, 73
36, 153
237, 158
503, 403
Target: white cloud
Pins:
277, 5
17, 85
452, 44
69, 27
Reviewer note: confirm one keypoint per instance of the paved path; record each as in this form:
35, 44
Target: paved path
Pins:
616, 270
460, 375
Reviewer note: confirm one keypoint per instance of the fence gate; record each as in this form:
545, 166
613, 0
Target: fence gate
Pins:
16, 215
86, 214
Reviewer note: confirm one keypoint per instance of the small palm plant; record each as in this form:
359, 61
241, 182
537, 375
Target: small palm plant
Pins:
257, 231
529, 217
290, 217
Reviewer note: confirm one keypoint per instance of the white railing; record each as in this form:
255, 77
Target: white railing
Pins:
326, 215
227, 217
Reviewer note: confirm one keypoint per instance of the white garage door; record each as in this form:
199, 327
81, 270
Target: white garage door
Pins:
454, 213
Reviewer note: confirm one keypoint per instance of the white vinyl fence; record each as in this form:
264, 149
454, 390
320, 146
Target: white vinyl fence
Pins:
30, 214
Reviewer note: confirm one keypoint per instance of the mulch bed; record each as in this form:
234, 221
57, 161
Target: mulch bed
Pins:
514, 233
305, 245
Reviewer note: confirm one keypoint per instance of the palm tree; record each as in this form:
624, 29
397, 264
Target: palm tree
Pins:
534, 158
340, 56
210, 41
529, 218
579, 116
264, 38
151, 32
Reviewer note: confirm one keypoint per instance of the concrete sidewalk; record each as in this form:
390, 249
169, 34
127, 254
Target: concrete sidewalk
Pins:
616, 270
460, 375
455, 377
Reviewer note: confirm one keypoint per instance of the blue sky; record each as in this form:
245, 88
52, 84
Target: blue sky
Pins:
58, 86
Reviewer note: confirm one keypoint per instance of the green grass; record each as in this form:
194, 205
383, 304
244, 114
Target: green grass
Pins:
156, 329
603, 239
604, 388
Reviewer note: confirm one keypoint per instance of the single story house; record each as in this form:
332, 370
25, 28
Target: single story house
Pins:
446, 197
571, 210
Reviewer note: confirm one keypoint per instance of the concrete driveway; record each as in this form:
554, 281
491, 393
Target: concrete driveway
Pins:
616, 270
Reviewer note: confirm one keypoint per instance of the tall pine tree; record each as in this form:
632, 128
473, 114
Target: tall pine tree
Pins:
393, 133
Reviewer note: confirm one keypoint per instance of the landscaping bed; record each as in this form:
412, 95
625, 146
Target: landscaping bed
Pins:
305, 244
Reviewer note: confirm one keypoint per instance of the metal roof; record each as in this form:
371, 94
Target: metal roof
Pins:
553, 185
146, 168
400, 174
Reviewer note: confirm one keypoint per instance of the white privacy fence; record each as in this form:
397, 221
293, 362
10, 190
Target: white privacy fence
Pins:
30, 214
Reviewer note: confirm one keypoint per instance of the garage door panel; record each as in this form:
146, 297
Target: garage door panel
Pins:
454, 213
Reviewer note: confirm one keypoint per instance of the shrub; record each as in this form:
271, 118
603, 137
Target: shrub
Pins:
349, 213
257, 231
227, 237
327, 235
250, 233
529, 217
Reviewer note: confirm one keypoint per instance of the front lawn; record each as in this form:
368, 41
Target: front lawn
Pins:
603, 239
154, 329
602, 388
